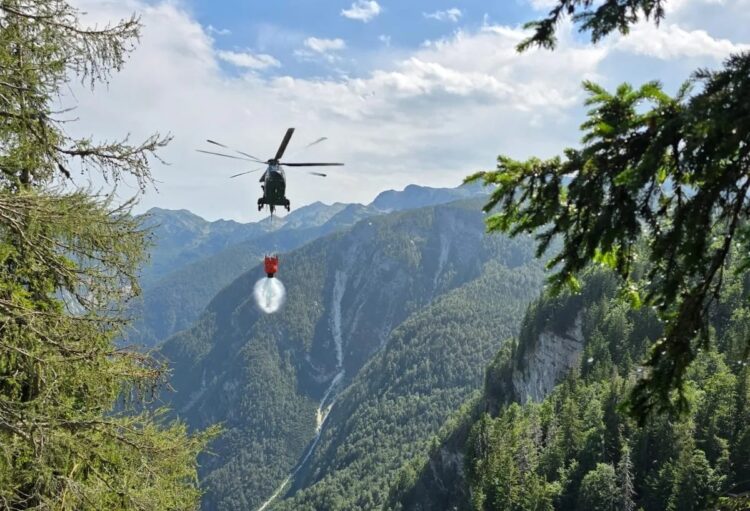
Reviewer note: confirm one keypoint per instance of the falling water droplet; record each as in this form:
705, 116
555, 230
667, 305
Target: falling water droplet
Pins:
269, 294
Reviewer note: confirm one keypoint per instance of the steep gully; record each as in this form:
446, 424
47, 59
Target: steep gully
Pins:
329, 397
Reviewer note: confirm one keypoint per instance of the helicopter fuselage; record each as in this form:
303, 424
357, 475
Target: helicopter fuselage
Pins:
274, 188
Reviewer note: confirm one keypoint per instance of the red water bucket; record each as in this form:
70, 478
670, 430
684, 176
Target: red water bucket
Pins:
271, 264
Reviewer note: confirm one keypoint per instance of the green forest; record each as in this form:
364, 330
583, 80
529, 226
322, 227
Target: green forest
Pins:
432, 364
579, 448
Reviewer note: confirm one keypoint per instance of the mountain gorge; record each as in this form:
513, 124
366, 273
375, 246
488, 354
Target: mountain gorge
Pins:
389, 320
431, 363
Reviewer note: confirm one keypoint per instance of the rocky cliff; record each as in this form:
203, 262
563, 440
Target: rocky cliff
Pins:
542, 366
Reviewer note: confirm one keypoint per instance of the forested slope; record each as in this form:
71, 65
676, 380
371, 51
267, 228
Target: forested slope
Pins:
575, 447
432, 362
265, 377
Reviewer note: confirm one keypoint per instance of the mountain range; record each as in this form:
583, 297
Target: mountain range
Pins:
388, 324
191, 259
418, 364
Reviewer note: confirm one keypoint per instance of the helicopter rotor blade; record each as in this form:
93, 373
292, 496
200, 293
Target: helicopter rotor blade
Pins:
251, 156
284, 143
321, 139
318, 174
311, 164
299, 153
235, 150
246, 172
228, 156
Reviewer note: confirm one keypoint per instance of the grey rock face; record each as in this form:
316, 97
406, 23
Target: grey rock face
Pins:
542, 367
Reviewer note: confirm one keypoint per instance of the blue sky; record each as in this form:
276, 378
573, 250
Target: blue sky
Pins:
413, 91
279, 28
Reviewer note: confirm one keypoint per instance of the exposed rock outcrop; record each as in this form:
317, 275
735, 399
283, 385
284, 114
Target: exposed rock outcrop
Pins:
546, 363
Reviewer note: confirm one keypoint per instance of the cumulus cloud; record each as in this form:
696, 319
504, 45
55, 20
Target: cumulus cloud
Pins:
362, 10
453, 14
671, 42
543, 5
429, 116
248, 60
324, 45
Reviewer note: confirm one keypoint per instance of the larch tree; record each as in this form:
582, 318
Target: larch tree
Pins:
658, 192
68, 266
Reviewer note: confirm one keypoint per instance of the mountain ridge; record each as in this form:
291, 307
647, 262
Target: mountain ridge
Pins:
347, 292
171, 300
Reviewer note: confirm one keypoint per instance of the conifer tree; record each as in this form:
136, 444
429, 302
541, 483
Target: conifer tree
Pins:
68, 265
599, 489
669, 174
626, 481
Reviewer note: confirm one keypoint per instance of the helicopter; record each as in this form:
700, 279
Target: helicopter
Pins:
273, 180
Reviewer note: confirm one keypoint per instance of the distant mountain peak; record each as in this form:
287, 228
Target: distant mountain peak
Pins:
417, 196
164, 212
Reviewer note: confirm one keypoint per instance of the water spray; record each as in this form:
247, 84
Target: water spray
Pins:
269, 294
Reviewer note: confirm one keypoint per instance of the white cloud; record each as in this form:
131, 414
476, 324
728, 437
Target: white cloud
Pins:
362, 10
218, 31
453, 14
428, 116
543, 5
248, 60
385, 39
672, 42
317, 49
324, 45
